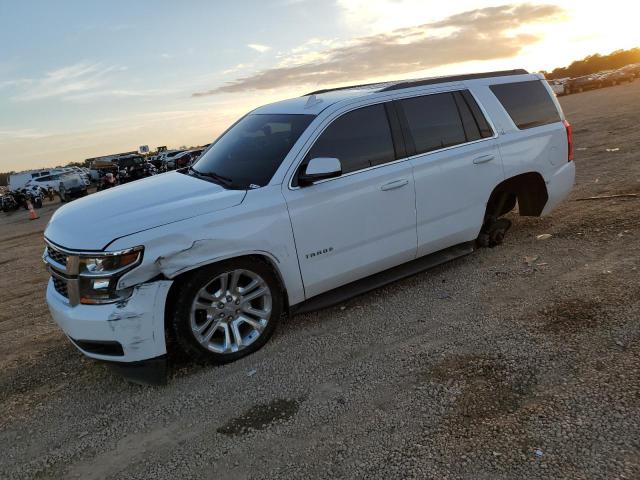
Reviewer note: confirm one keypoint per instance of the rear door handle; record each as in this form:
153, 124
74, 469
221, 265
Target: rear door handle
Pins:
484, 159
395, 184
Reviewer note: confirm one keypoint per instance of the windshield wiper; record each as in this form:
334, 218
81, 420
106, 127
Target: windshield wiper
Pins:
225, 181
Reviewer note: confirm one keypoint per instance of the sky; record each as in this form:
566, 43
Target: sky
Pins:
80, 79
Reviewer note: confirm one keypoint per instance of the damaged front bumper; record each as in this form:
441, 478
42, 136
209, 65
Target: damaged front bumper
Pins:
128, 334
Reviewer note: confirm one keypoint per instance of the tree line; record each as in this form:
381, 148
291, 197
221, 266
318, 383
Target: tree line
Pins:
596, 63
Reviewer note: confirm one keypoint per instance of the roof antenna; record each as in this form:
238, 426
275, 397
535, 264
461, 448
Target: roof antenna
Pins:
313, 101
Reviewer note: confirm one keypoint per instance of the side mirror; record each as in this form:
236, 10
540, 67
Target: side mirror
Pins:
319, 169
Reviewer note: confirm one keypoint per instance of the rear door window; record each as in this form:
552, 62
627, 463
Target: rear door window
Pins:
469, 124
528, 103
484, 129
359, 139
433, 121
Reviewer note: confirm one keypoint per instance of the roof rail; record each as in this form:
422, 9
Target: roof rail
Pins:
400, 84
347, 87
452, 78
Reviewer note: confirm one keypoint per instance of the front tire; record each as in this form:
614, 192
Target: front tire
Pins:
227, 310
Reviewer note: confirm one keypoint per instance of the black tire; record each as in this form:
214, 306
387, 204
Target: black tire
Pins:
497, 232
188, 288
63, 195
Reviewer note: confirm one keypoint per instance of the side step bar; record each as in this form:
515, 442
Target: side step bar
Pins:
353, 289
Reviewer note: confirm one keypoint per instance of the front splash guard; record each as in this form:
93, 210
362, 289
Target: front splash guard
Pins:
152, 371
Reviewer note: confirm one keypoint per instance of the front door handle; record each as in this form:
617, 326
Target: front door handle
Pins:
484, 159
395, 184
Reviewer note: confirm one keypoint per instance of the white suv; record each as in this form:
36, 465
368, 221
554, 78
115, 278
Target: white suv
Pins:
301, 204
66, 184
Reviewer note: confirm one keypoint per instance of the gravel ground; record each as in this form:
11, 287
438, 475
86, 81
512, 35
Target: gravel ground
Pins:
511, 363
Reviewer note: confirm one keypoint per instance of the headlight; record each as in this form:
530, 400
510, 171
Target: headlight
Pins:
108, 265
90, 277
99, 275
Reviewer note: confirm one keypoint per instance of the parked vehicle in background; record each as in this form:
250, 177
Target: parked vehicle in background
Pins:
36, 194
100, 168
183, 159
581, 84
558, 86
48, 192
20, 179
194, 155
86, 177
67, 185
24, 196
157, 162
616, 77
133, 168
302, 204
46, 181
167, 158
8, 202
71, 185
633, 69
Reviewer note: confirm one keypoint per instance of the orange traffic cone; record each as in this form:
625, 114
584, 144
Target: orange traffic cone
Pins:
32, 213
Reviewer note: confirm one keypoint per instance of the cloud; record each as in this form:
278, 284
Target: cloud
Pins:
259, 48
383, 15
482, 34
19, 82
73, 79
118, 93
22, 134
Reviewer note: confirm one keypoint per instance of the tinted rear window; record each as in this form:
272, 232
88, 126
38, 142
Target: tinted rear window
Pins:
434, 121
527, 103
481, 122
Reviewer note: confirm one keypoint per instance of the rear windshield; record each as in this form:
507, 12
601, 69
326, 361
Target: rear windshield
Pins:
527, 103
250, 152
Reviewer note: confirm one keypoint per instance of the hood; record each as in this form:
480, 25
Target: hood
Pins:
92, 222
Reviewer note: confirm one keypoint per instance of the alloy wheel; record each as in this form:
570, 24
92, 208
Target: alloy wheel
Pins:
231, 311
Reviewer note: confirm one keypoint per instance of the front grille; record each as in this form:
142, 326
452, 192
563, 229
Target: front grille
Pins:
63, 267
57, 256
60, 286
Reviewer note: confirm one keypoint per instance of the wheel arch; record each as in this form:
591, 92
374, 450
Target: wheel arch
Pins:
261, 256
528, 188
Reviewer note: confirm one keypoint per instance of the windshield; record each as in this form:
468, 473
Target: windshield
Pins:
251, 151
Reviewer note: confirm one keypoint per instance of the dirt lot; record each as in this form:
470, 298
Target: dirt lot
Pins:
485, 368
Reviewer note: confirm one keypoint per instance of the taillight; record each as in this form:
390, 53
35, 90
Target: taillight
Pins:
569, 128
